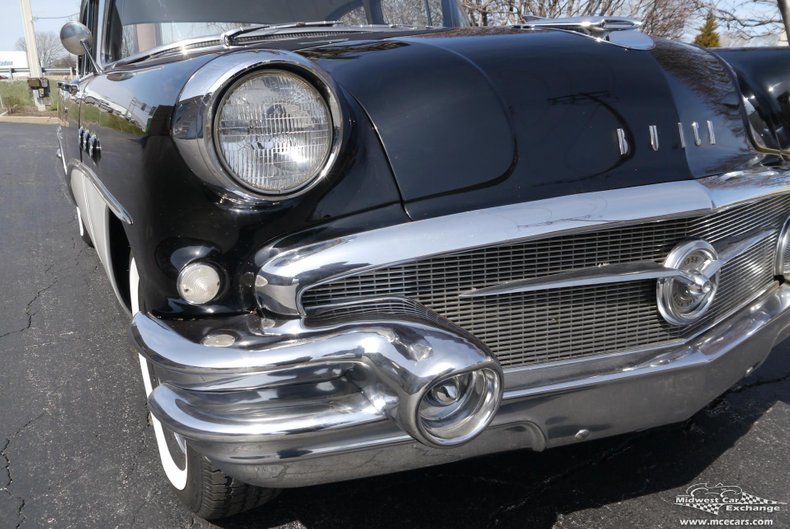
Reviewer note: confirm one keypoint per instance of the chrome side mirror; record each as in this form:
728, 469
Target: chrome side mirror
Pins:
76, 38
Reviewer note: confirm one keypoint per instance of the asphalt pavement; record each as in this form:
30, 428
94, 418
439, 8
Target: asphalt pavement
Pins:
76, 450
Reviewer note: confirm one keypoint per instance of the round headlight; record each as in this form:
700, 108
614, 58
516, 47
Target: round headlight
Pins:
274, 132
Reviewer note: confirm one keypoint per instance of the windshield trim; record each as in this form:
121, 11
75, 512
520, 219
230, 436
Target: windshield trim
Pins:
450, 7
186, 46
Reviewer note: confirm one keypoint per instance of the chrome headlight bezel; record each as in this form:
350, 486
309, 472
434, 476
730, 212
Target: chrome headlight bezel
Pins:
194, 130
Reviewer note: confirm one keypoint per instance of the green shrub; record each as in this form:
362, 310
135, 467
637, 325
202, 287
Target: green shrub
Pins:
14, 104
16, 96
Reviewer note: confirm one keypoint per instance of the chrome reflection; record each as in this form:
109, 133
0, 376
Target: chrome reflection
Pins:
458, 408
392, 364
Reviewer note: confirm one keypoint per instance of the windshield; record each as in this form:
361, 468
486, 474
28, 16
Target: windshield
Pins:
135, 26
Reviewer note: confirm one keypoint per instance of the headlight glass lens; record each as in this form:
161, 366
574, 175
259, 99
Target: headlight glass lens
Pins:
198, 283
274, 132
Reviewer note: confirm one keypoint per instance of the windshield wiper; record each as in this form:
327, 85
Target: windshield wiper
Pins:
229, 37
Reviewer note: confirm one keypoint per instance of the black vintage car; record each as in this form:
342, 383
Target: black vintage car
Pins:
357, 237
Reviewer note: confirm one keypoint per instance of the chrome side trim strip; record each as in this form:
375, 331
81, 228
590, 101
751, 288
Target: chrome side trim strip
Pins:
108, 198
285, 273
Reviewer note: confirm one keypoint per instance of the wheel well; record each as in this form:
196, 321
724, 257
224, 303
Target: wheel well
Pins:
120, 251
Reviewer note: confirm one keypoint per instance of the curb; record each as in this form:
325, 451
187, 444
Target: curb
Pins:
30, 120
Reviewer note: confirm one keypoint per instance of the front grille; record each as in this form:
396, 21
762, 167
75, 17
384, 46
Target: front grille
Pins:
536, 327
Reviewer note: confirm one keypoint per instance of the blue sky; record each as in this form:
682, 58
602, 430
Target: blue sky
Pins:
11, 18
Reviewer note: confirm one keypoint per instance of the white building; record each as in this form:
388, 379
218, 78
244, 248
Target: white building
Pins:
13, 59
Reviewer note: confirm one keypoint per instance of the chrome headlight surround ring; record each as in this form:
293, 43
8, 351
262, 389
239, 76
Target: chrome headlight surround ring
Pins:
194, 132
701, 293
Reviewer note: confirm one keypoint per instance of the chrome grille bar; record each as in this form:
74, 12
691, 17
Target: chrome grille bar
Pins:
526, 328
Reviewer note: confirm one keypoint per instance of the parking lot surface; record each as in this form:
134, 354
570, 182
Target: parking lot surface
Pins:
76, 450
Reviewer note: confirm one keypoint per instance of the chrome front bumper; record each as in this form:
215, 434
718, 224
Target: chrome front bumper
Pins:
292, 405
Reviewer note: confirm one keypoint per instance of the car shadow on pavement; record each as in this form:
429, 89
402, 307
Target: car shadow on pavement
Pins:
536, 490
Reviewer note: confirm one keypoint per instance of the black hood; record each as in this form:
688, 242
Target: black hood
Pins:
473, 118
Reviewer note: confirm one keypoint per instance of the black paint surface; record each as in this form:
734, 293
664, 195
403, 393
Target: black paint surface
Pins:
438, 122
76, 451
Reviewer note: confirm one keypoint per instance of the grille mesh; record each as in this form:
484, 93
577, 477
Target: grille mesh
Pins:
549, 325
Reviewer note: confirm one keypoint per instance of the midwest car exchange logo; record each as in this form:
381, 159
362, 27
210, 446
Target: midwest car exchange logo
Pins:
727, 498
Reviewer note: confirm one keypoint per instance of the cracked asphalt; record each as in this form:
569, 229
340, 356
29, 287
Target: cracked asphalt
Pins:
77, 451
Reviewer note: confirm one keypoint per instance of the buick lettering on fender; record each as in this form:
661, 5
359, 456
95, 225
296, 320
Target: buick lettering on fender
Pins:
350, 229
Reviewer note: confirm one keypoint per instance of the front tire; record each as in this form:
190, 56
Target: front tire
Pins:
203, 487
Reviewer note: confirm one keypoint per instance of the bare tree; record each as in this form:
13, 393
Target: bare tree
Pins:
663, 18
751, 19
50, 50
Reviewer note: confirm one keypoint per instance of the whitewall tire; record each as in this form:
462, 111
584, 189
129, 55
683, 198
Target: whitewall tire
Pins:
177, 475
204, 488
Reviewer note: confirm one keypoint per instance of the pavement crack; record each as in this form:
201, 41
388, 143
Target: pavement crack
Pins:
7, 444
136, 458
550, 480
138, 509
28, 423
7, 466
29, 310
20, 516
10, 478
758, 383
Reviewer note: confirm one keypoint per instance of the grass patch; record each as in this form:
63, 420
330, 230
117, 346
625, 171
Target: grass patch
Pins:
17, 97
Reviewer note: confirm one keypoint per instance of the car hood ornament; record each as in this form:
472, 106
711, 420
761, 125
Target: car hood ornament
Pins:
620, 31
684, 299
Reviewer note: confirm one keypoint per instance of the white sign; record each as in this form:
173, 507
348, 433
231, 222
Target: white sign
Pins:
13, 59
